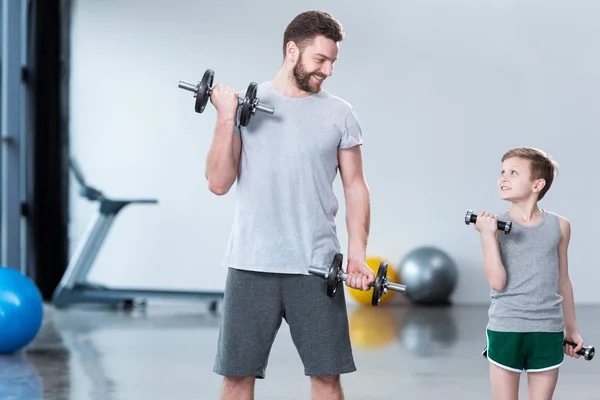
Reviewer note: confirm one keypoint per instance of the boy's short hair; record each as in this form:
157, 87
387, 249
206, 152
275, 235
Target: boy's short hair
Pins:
541, 164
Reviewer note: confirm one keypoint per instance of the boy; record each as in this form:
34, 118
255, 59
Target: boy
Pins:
532, 307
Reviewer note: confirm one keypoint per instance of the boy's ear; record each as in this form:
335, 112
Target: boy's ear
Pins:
538, 185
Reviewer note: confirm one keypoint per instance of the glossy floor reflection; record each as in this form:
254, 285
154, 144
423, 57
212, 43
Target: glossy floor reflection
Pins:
166, 352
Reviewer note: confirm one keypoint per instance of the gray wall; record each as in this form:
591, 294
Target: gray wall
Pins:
442, 90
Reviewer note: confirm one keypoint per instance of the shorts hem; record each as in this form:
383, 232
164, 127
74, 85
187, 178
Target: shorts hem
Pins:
496, 363
270, 270
334, 372
239, 373
544, 369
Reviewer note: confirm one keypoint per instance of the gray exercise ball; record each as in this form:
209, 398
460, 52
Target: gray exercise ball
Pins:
429, 274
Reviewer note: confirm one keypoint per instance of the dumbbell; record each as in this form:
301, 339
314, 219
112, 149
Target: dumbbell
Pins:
588, 352
203, 89
334, 275
504, 226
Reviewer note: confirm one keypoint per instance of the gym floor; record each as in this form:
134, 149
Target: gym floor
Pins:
166, 352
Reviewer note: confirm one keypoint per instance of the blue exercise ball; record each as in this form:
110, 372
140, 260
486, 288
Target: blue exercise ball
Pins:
21, 310
430, 275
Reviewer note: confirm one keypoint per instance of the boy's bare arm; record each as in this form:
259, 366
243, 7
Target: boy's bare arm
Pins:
495, 273
565, 288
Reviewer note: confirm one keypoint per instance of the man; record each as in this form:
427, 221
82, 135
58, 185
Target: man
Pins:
284, 217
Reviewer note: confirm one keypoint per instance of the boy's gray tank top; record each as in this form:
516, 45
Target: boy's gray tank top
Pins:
530, 301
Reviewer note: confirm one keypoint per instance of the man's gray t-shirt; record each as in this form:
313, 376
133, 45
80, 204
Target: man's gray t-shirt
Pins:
285, 206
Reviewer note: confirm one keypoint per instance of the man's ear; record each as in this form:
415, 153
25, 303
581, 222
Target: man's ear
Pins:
291, 51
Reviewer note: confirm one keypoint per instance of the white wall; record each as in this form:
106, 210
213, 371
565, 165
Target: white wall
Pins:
442, 90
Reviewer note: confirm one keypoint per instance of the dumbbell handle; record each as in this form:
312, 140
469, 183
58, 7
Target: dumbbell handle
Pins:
188, 86
588, 352
505, 226
265, 108
318, 272
501, 224
259, 106
396, 287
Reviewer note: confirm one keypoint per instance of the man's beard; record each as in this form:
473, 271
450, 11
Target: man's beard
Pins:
303, 78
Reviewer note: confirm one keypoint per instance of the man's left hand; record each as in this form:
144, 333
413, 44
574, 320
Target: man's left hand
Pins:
359, 275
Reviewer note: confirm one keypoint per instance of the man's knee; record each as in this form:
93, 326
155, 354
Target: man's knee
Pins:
238, 380
326, 388
238, 387
331, 380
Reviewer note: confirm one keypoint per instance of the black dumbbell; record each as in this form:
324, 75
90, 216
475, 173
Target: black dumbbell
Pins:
334, 275
202, 91
504, 226
588, 352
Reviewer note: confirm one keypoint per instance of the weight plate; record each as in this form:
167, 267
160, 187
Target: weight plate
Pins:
469, 217
378, 285
204, 90
334, 272
248, 104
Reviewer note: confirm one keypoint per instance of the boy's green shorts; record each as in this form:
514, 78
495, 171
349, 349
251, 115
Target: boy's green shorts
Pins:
525, 351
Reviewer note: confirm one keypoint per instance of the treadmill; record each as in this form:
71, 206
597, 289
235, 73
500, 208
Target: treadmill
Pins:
74, 288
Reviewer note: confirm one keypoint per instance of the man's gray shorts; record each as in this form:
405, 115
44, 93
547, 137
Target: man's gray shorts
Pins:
255, 304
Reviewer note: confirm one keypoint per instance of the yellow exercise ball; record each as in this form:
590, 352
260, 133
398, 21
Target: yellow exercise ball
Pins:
365, 296
372, 327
